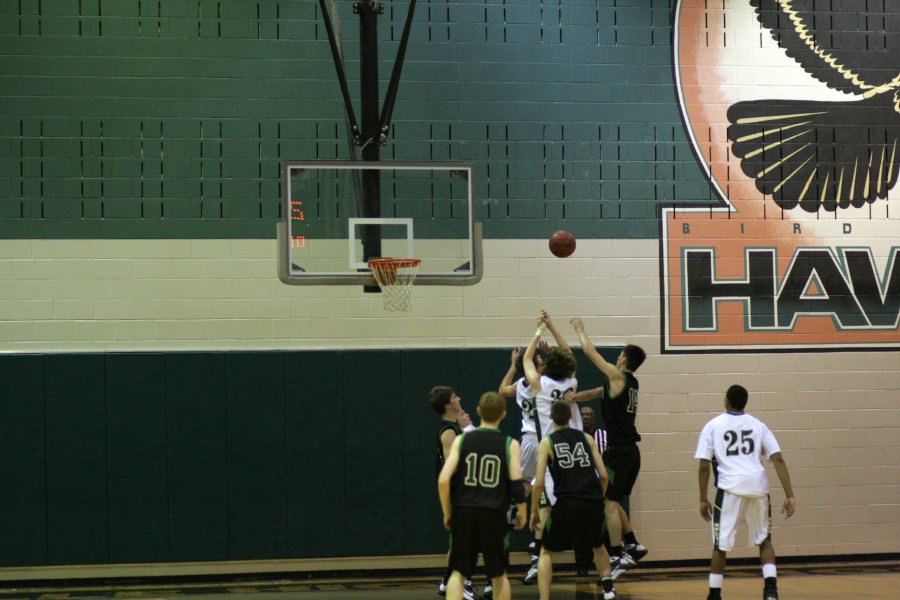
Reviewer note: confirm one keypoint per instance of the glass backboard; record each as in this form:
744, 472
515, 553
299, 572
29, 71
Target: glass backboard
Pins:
339, 214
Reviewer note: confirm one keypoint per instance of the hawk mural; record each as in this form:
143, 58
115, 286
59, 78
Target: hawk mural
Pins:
827, 155
792, 109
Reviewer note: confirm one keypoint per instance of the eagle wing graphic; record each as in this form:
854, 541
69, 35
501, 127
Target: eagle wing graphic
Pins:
826, 155
818, 155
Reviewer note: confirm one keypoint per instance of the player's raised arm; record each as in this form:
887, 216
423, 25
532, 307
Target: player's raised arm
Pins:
531, 372
560, 340
507, 387
608, 369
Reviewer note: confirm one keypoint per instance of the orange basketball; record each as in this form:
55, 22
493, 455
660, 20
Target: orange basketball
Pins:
562, 244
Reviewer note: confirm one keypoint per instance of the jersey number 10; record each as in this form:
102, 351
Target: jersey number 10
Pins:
482, 471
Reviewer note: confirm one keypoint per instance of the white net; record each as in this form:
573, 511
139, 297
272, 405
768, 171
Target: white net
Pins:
395, 277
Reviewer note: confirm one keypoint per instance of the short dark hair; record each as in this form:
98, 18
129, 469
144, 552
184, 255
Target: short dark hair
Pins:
634, 357
561, 412
491, 406
560, 364
439, 397
737, 396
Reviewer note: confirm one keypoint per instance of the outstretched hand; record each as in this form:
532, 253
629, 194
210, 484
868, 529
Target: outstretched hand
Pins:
464, 419
577, 323
517, 351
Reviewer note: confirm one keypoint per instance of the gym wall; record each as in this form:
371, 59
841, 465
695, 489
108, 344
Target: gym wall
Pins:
170, 400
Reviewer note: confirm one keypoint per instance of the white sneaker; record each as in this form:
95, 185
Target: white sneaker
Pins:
469, 592
442, 589
610, 595
621, 564
532, 574
487, 592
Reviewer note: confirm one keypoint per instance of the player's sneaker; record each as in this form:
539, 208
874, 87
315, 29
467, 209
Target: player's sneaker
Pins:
714, 596
636, 551
620, 564
770, 594
442, 588
487, 592
608, 594
532, 574
469, 592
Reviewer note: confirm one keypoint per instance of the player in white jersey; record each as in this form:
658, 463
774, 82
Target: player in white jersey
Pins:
521, 390
732, 444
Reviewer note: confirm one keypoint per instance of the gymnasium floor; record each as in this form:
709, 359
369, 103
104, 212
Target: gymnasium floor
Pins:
796, 582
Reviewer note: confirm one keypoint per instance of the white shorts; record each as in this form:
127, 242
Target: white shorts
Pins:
529, 455
731, 510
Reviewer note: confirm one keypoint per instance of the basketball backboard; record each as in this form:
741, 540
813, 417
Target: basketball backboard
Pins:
339, 214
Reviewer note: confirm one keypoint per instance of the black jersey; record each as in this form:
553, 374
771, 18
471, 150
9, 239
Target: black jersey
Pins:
445, 425
619, 414
482, 476
572, 466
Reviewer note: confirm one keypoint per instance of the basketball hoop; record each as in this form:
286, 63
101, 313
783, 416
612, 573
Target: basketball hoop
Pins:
395, 277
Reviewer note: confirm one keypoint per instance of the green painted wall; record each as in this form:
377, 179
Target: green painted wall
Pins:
170, 118
135, 458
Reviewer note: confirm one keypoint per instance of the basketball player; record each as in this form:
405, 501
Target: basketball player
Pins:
527, 402
623, 457
733, 443
553, 381
454, 419
580, 481
481, 477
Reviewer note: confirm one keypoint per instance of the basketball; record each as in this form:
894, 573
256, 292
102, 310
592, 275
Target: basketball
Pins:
562, 244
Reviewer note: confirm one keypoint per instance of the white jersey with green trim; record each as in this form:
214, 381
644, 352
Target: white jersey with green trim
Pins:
734, 442
552, 390
525, 400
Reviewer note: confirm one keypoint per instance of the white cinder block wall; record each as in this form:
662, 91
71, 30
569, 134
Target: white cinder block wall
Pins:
837, 415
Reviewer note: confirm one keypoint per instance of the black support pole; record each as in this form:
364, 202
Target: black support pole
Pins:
371, 151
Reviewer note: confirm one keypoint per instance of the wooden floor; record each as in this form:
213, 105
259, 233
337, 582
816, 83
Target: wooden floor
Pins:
855, 581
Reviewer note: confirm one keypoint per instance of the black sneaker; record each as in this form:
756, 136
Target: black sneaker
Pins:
770, 594
636, 551
714, 595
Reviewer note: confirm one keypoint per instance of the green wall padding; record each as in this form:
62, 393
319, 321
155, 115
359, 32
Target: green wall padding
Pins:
77, 459
23, 461
209, 456
197, 456
257, 493
136, 446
